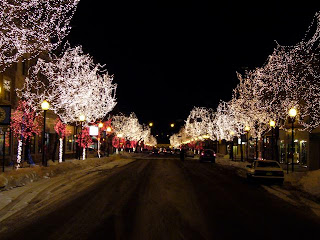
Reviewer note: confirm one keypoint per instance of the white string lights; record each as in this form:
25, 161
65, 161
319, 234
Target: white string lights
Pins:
31, 27
73, 86
129, 128
199, 122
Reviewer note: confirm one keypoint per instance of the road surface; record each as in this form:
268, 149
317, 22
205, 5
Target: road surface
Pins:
164, 199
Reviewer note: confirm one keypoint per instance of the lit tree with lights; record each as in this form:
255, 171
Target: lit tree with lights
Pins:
31, 27
226, 122
129, 128
86, 141
290, 78
199, 122
73, 85
25, 122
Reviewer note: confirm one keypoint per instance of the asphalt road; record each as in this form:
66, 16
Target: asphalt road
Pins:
168, 199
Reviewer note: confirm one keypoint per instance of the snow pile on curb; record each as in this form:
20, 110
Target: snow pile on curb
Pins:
306, 181
22, 176
228, 162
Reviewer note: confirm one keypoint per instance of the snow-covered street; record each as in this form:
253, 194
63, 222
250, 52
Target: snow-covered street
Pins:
154, 198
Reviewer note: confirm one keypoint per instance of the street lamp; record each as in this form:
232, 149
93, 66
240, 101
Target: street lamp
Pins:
247, 129
82, 118
100, 125
272, 124
45, 106
150, 124
172, 125
292, 115
231, 150
109, 130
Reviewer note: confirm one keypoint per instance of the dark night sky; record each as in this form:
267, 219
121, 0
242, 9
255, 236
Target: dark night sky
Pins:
167, 58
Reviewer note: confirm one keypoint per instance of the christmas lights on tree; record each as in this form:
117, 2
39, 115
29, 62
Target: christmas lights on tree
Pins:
73, 85
84, 140
31, 27
130, 129
199, 122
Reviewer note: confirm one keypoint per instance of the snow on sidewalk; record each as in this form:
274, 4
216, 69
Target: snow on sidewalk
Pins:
23, 176
46, 191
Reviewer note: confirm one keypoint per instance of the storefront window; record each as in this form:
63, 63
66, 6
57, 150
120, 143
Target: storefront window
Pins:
69, 140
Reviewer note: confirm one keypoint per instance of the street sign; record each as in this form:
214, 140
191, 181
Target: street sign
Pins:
93, 131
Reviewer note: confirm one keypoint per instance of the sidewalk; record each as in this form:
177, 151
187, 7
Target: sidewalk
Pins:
14, 178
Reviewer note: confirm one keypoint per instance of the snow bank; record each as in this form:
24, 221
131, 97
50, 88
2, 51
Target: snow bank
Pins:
22, 176
307, 181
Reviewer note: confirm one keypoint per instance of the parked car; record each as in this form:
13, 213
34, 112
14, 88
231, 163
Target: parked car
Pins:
207, 155
265, 170
155, 151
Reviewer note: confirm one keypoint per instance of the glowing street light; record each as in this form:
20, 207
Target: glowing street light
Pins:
150, 124
172, 125
292, 115
292, 112
247, 129
45, 106
272, 125
82, 118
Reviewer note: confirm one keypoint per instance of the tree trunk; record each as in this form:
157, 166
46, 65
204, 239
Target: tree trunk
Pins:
26, 149
19, 153
60, 149
64, 150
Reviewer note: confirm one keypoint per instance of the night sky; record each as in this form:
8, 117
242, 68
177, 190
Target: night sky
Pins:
167, 58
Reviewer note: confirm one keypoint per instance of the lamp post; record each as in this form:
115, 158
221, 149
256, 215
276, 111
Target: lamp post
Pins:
231, 150
82, 118
119, 135
292, 114
100, 125
45, 106
109, 130
272, 124
247, 129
